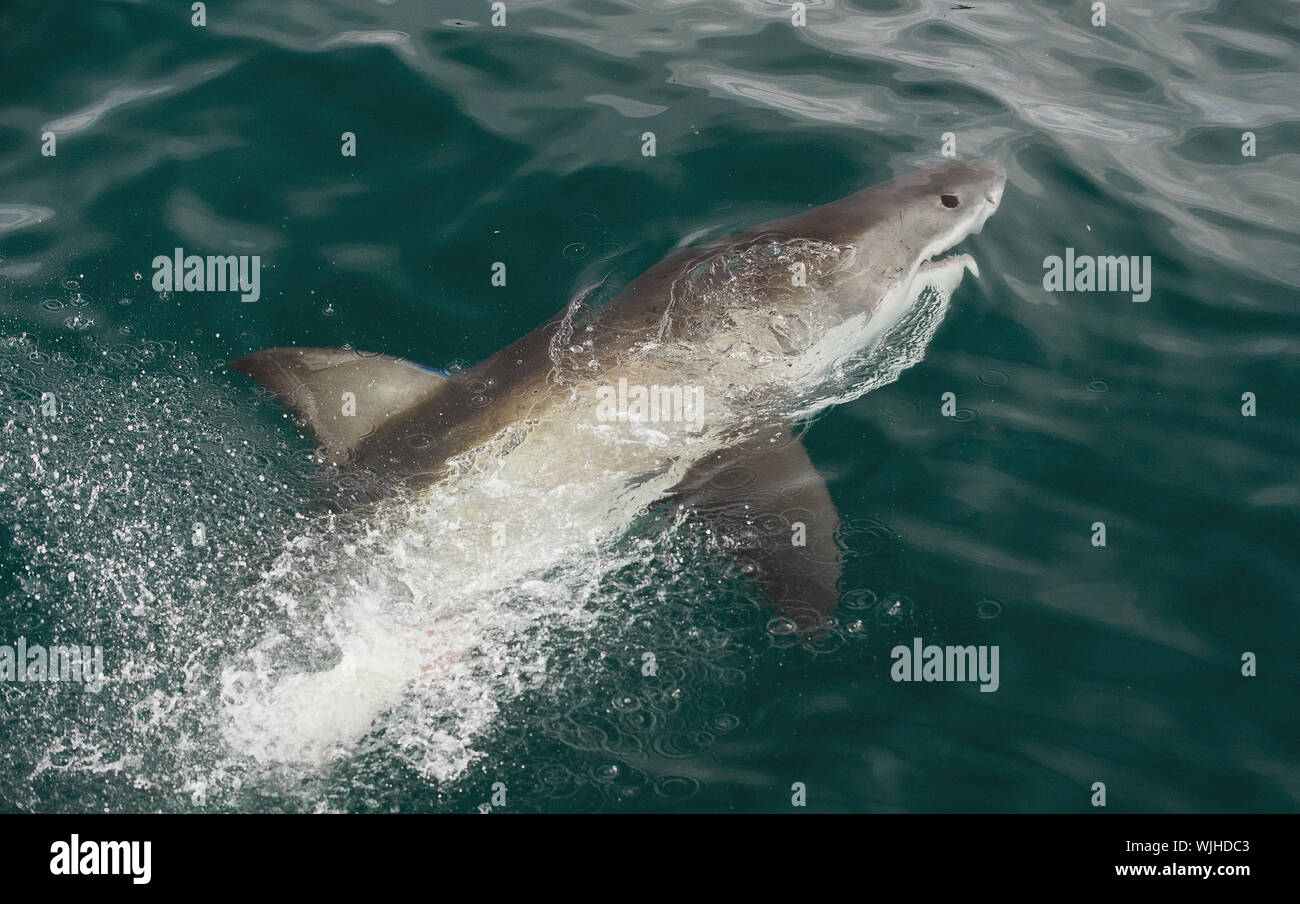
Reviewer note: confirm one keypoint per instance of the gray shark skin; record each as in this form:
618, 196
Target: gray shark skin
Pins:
767, 327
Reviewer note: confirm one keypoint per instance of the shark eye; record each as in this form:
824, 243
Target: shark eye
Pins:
949, 200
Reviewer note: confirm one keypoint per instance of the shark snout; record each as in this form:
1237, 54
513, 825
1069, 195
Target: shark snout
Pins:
988, 178
993, 193
986, 181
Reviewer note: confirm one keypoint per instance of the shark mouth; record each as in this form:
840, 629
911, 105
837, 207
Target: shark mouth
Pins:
942, 274
952, 262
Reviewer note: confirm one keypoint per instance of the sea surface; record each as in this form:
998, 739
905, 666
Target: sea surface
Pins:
259, 657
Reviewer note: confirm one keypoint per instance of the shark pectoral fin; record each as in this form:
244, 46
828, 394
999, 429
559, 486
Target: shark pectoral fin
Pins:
771, 508
341, 396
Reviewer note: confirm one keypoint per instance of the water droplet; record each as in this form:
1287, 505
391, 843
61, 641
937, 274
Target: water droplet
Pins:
781, 626
675, 787
626, 704
899, 408
858, 600
28, 621
894, 610
726, 722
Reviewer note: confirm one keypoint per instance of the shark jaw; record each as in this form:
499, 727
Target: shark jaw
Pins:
863, 354
939, 269
900, 322
943, 275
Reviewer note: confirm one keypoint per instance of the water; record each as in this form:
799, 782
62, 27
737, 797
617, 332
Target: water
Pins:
246, 670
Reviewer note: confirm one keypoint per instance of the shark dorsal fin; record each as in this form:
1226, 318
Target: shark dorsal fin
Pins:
311, 383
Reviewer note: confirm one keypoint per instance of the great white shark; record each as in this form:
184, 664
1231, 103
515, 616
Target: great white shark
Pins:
759, 330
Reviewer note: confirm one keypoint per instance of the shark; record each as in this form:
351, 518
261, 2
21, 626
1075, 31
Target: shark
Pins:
691, 388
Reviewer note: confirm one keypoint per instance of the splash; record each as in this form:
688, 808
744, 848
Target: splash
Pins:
263, 655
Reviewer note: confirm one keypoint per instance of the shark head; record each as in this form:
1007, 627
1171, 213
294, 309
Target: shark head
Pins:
790, 300
883, 243
909, 219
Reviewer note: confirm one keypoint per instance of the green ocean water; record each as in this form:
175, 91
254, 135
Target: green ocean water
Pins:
1120, 664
